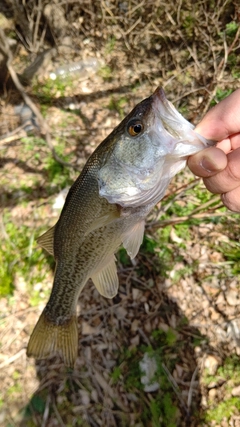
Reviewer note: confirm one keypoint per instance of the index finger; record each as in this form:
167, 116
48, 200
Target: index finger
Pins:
222, 120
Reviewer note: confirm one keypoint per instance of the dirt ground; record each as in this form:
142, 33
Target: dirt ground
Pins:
178, 301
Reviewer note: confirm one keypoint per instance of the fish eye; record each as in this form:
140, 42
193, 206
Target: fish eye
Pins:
135, 128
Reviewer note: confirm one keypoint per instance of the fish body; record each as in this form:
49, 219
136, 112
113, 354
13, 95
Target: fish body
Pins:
105, 208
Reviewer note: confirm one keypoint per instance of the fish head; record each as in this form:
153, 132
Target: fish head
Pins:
145, 151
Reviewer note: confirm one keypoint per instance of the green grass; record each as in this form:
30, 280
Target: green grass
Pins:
220, 95
106, 73
57, 174
229, 376
110, 45
231, 252
225, 409
21, 258
231, 29
118, 104
51, 89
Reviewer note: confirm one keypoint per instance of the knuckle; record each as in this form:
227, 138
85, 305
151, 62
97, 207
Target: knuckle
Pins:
234, 171
211, 185
232, 200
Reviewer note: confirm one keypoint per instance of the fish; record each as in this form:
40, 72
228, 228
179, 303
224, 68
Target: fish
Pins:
106, 207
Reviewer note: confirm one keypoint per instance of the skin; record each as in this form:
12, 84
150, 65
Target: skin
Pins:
220, 166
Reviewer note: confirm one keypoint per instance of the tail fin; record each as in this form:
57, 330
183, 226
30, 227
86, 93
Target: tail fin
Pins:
48, 338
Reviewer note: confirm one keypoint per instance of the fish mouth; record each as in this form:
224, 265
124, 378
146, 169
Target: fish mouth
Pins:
172, 120
175, 124
160, 95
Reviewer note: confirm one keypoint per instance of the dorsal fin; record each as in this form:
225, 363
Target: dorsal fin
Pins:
46, 240
106, 279
133, 238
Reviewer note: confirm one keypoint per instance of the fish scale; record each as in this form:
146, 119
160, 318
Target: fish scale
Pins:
105, 208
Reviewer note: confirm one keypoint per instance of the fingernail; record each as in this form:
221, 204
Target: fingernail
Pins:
208, 165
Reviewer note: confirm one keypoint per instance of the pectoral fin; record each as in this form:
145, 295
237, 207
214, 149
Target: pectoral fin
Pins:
46, 240
106, 280
103, 220
132, 239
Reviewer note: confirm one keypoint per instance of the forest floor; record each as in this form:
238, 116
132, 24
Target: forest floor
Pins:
178, 306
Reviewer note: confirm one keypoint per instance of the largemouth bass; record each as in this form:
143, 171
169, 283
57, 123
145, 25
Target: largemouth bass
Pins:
105, 208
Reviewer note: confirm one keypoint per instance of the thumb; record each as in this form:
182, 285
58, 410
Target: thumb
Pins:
207, 162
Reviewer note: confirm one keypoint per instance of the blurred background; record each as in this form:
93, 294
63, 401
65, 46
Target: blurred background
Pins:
165, 351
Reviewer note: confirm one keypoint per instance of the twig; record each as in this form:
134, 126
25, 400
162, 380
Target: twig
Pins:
46, 411
179, 220
35, 34
174, 386
13, 358
210, 202
181, 190
17, 133
221, 67
59, 418
190, 392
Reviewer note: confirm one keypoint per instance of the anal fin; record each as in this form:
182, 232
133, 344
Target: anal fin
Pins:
133, 238
106, 279
46, 240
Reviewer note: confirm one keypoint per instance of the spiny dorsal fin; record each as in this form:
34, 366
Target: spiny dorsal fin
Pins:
133, 238
46, 240
106, 279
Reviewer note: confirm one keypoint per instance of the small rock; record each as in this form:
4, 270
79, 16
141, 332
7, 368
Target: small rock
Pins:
135, 325
236, 391
211, 363
135, 341
20, 284
88, 329
136, 293
163, 326
121, 312
84, 397
212, 394
232, 298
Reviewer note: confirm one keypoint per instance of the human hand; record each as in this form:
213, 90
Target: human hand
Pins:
220, 166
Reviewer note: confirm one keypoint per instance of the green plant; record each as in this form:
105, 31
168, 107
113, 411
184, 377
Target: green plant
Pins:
20, 259
220, 95
231, 252
223, 410
106, 73
49, 89
110, 45
118, 105
231, 28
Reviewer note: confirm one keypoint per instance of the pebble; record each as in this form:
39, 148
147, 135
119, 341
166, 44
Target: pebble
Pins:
232, 298
212, 394
211, 363
84, 397
236, 391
